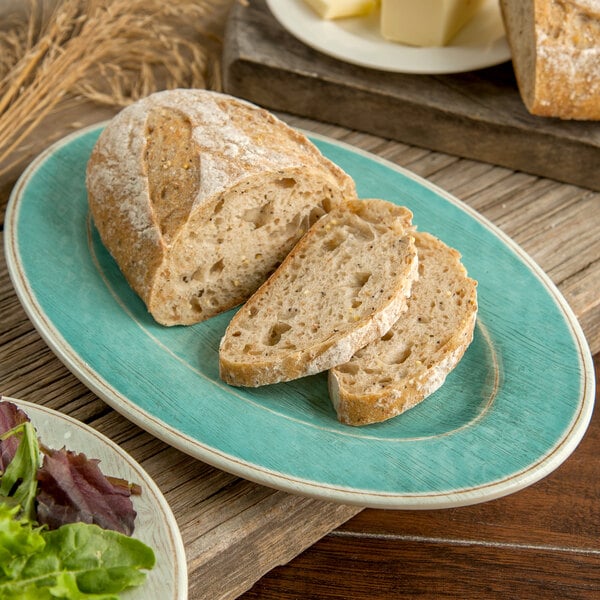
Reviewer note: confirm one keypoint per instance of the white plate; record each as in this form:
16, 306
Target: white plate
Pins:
155, 524
481, 43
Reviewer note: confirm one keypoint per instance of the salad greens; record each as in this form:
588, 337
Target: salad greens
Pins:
18, 483
74, 561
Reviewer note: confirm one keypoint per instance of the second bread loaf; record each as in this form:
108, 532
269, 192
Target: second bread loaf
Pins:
555, 48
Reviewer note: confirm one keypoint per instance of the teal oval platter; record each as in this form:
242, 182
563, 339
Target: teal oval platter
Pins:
512, 411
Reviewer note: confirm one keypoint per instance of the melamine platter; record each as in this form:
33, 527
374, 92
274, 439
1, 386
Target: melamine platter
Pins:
513, 410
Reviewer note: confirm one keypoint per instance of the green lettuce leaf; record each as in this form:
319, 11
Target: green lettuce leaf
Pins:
75, 562
19, 539
18, 484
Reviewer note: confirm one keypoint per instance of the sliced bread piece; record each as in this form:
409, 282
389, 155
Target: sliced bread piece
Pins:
343, 285
199, 196
413, 358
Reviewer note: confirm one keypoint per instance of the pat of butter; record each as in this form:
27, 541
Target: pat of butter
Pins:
338, 9
425, 22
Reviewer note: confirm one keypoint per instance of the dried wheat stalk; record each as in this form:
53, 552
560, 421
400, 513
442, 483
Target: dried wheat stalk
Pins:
112, 51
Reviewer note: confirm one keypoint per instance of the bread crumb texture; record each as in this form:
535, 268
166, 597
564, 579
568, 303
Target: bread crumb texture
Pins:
412, 360
343, 285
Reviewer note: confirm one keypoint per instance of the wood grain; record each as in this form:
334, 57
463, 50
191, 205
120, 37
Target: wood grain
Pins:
476, 115
380, 568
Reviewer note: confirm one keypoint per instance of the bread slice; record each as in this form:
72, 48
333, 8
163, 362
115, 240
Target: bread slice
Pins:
199, 196
343, 285
555, 47
412, 359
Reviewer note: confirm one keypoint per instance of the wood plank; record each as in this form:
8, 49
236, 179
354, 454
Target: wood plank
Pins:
380, 568
271, 532
476, 115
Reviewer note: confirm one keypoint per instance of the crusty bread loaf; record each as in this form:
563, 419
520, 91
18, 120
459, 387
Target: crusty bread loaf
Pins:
343, 285
555, 48
412, 360
199, 196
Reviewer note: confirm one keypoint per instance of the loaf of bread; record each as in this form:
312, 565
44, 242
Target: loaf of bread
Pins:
343, 285
199, 196
412, 360
555, 48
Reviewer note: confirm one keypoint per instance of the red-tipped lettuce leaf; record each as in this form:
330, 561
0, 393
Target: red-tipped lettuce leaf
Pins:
72, 488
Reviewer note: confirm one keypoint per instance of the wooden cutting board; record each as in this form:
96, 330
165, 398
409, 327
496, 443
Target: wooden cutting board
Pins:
476, 115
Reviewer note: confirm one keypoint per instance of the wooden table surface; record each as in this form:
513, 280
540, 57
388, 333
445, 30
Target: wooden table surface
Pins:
542, 542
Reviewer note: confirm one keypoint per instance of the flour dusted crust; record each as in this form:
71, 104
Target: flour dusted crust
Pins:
406, 365
556, 55
199, 196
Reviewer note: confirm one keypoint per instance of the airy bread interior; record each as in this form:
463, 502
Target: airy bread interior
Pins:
343, 285
224, 253
412, 360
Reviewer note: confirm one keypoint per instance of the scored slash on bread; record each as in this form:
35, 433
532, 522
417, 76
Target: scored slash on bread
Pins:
199, 196
413, 358
342, 286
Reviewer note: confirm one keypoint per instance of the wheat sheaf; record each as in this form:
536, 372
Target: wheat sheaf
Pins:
110, 51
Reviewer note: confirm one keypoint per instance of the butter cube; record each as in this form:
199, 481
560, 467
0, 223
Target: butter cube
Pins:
338, 9
425, 22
